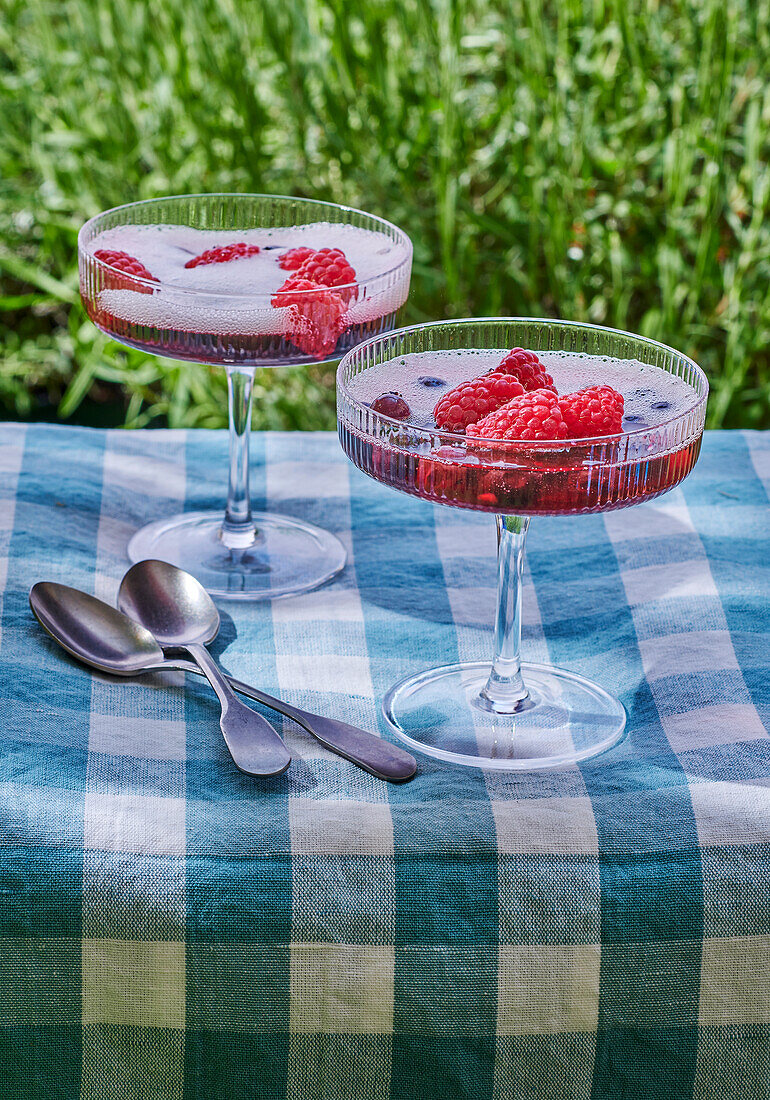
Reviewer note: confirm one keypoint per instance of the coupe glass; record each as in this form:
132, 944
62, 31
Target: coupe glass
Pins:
241, 554
508, 715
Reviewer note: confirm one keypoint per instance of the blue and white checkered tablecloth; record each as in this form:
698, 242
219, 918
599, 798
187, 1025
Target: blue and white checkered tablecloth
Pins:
173, 930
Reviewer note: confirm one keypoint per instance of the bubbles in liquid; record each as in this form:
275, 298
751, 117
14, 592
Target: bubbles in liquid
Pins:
214, 297
652, 395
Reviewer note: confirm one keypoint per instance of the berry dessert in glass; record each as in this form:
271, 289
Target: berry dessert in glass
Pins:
244, 281
517, 417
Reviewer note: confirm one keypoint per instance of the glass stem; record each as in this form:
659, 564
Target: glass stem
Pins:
238, 530
504, 692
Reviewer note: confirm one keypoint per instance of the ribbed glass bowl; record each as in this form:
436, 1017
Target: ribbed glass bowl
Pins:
164, 318
557, 477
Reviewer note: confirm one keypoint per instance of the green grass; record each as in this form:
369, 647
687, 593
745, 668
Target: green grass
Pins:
603, 160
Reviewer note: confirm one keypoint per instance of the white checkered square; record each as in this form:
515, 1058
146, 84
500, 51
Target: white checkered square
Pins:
342, 674
667, 517
722, 724
735, 982
546, 826
134, 823
326, 605
674, 580
158, 475
132, 983
144, 738
309, 480
731, 813
339, 988
697, 651
548, 989
327, 827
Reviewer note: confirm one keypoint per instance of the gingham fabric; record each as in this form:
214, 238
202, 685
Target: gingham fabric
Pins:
173, 930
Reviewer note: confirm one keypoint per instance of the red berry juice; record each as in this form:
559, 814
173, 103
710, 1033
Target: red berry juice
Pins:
658, 447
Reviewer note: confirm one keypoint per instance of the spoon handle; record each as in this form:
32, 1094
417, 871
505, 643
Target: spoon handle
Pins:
373, 754
253, 743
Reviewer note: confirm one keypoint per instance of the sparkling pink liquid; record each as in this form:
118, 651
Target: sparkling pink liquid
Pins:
222, 313
659, 449
247, 348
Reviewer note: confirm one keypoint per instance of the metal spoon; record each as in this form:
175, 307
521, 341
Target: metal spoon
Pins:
178, 612
102, 637
174, 606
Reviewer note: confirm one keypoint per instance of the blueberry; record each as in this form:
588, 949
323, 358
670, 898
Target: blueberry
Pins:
427, 380
635, 421
391, 404
661, 405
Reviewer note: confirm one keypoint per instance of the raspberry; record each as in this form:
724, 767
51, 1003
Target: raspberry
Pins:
294, 258
527, 368
329, 267
470, 401
316, 315
391, 404
595, 410
223, 254
122, 261
533, 415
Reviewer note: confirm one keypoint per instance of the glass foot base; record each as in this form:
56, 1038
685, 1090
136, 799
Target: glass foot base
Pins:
565, 719
286, 557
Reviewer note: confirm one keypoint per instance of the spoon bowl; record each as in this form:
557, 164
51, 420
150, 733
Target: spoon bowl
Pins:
175, 607
180, 614
92, 631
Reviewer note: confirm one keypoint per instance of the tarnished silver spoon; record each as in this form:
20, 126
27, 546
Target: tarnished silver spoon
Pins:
179, 613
